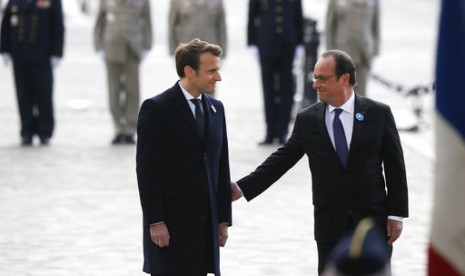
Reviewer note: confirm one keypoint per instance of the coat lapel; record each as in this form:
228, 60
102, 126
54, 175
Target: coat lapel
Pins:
359, 115
180, 103
321, 119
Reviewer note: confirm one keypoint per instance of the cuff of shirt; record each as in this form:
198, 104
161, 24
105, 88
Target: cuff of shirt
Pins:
395, 218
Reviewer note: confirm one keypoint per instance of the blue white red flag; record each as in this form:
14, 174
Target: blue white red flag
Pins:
447, 244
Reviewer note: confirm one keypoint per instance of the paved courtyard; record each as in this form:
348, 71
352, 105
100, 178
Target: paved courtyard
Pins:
73, 207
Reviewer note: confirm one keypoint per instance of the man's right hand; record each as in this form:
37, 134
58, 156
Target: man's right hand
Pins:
160, 234
235, 192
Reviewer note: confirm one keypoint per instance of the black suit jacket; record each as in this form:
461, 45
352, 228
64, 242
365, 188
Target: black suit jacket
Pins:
342, 194
32, 31
182, 180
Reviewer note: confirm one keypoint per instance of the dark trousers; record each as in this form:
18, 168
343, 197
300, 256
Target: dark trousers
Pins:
34, 89
324, 250
278, 92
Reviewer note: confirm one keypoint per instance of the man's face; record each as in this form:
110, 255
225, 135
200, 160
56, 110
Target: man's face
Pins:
330, 89
204, 80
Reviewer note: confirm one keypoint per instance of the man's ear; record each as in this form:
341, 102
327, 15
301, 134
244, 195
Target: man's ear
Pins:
188, 71
346, 78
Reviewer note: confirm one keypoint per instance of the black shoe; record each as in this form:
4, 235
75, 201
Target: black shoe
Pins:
44, 141
128, 139
266, 142
123, 139
26, 142
117, 140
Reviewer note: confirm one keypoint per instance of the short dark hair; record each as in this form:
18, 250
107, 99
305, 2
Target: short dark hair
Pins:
344, 64
188, 54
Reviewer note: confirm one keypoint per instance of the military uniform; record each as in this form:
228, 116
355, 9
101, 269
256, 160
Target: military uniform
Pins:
276, 28
123, 31
203, 19
32, 33
353, 26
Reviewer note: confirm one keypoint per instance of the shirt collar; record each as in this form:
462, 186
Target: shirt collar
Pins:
187, 95
347, 106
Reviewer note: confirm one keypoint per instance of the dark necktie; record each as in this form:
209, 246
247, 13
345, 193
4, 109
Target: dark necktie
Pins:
340, 137
199, 117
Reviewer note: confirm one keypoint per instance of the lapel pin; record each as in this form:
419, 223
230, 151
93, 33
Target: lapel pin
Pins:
359, 117
213, 108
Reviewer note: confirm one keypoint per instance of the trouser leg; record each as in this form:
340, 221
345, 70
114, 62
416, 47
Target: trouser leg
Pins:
131, 101
43, 91
115, 80
286, 97
25, 98
269, 84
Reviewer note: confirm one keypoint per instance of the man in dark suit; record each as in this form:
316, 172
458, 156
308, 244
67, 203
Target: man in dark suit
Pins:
32, 35
183, 169
349, 140
275, 29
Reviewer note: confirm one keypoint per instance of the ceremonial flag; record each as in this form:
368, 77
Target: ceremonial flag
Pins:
447, 243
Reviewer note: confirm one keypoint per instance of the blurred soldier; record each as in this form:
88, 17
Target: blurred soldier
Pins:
353, 26
275, 29
123, 37
189, 19
32, 36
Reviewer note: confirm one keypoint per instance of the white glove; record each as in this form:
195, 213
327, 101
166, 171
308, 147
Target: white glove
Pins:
54, 61
373, 61
255, 51
299, 53
143, 55
101, 54
6, 58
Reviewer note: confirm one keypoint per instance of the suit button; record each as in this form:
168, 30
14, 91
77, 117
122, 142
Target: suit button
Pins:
279, 9
279, 30
205, 156
203, 219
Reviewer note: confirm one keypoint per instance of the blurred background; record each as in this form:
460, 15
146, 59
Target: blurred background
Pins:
73, 207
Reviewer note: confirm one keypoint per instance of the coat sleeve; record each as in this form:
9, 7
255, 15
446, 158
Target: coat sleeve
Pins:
148, 34
394, 169
299, 21
331, 25
5, 34
252, 24
275, 166
222, 30
173, 22
58, 30
99, 27
224, 181
148, 161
